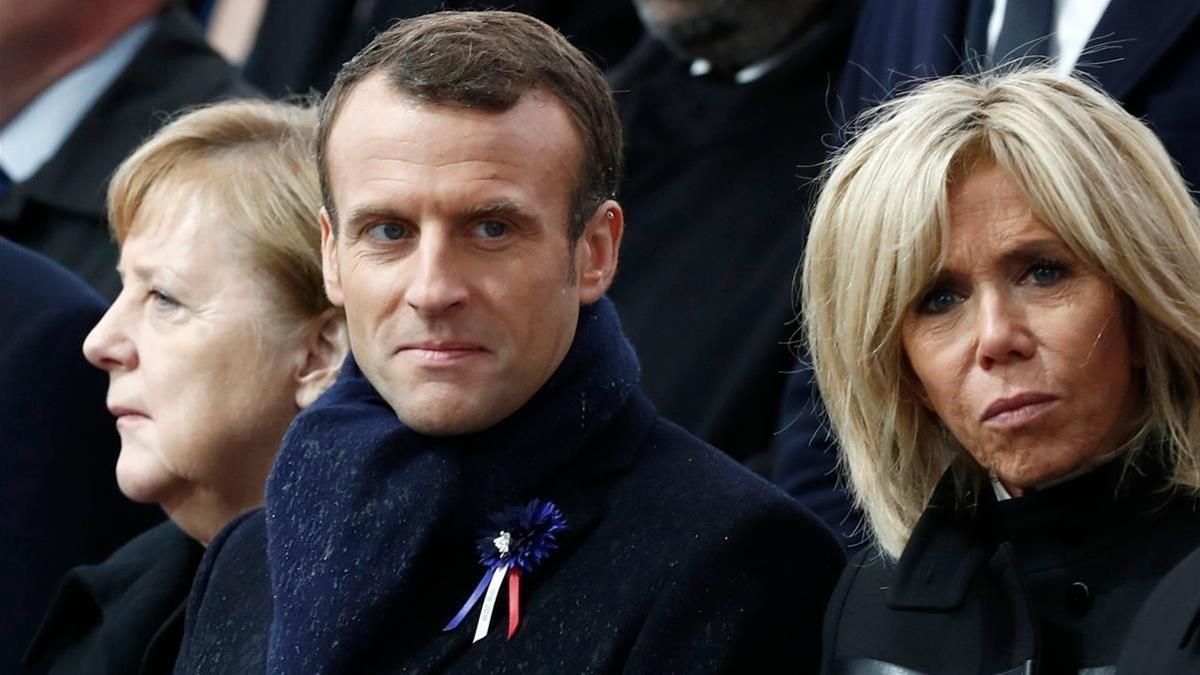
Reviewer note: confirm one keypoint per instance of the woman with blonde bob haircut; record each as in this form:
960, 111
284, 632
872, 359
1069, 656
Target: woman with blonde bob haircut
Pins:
222, 333
1002, 299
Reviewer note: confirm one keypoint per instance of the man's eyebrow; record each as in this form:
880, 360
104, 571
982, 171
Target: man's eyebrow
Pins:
501, 208
363, 214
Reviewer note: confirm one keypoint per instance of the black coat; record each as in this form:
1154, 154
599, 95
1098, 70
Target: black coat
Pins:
1048, 583
60, 210
59, 502
675, 558
716, 196
123, 616
1165, 637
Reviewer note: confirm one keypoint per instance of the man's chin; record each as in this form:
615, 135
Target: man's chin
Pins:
464, 413
446, 423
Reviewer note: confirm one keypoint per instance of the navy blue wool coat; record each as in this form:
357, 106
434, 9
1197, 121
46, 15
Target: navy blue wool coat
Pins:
675, 559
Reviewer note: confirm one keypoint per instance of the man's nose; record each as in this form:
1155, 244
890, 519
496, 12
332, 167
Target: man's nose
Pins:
110, 346
1002, 330
438, 282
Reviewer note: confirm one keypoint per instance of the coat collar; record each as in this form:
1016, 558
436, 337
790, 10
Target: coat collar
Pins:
127, 612
956, 536
942, 555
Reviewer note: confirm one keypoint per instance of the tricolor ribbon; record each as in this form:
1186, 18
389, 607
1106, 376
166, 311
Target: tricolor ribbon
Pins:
525, 536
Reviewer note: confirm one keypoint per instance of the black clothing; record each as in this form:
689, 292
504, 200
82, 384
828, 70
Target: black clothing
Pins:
302, 45
1047, 583
60, 210
124, 615
675, 559
59, 502
717, 200
1165, 637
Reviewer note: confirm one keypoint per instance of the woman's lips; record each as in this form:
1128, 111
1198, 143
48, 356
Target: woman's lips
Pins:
1016, 410
127, 416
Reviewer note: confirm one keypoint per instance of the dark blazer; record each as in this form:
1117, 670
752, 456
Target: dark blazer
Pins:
1046, 583
123, 616
60, 210
59, 502
1148, 58
1165, 637
677, 560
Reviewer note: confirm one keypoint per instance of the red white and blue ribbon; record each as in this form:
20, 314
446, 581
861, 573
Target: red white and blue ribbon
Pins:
519, 538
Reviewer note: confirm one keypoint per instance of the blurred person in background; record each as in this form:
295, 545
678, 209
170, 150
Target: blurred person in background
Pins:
301, 45
1002, 293
1143, 53
59, 504
221, 334
726, 107
82, 83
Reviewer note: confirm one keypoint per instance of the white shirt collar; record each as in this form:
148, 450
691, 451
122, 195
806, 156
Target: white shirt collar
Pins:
31, 138
702, 67
1001, 492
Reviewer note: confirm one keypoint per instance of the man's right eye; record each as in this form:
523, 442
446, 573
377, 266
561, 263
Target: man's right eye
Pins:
388, 232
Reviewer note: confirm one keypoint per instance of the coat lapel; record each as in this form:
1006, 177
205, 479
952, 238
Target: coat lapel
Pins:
942, 556
937, 41
1137, 33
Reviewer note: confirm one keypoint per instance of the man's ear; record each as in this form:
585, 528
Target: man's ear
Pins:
325, 348
329, 260
597, 251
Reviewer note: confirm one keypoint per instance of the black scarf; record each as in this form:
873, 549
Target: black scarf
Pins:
371, 525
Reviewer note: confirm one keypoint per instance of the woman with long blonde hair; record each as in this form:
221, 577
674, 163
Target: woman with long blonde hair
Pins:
1002, 298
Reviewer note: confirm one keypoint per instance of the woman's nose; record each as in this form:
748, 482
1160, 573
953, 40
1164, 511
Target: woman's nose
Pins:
1002, 331
109, 346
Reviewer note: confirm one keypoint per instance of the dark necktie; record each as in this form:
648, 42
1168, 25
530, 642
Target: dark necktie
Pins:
979, 13
1025, 33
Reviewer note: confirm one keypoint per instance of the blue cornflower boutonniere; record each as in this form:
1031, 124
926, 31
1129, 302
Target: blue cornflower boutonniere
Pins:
517, 539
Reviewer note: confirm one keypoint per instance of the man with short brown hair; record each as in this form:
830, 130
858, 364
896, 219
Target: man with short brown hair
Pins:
486, 489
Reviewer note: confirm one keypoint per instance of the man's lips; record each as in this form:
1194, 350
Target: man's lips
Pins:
437, 351
1018, 409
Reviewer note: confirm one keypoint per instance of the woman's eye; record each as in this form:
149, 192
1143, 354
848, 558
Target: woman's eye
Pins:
388, 232
938, 301
1046, 272
162, 300
491, 229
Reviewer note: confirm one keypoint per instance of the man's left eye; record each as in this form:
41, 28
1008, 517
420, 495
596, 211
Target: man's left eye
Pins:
491, 229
